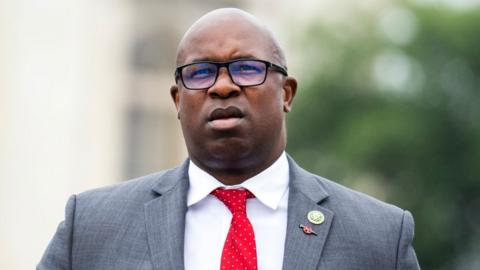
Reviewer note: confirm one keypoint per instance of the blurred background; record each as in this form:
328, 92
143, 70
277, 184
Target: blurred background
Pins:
388, 104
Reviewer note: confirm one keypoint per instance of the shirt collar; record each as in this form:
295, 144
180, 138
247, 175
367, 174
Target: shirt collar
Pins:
268, 186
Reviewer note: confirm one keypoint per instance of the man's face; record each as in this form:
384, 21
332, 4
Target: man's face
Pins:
228, 125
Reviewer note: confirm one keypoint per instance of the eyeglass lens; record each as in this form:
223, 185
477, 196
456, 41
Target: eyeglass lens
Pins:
243, 73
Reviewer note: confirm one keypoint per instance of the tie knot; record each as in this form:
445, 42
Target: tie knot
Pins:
234, 199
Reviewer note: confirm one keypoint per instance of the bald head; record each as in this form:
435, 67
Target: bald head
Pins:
229, 23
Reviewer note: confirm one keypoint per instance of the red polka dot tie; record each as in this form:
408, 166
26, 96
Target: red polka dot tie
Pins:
239, 251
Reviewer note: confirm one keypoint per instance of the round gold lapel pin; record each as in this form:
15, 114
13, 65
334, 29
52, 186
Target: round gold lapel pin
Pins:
315, 217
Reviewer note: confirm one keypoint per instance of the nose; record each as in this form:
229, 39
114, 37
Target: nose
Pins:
224, 86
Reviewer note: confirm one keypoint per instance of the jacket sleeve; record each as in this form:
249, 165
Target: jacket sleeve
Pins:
58, 255
406, 258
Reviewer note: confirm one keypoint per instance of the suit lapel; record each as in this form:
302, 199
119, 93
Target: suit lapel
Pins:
165, 219
303, 251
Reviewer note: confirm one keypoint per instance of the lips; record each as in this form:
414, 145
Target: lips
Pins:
223, 119
230, 112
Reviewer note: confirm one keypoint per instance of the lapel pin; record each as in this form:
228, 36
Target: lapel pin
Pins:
316, 217
307, 229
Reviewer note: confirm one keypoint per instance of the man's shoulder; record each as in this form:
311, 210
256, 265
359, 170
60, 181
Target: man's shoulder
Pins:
131, 188
359, 223
354, 209
133, 192
348, 205
338, 196
343, 196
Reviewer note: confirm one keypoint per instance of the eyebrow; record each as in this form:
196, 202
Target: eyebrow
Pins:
207, 59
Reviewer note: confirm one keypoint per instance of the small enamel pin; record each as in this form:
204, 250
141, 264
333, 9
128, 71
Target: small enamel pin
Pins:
316, 217
307, 229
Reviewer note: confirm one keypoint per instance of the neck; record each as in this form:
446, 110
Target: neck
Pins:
232, 174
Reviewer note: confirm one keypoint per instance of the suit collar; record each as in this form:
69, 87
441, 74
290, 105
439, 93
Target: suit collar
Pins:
268, 186
303, 251
170, 178
306, 183
165, 219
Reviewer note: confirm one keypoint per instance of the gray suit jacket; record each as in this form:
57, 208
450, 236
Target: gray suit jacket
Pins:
139, 224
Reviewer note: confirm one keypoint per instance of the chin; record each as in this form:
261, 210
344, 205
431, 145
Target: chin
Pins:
224, 153
231, 149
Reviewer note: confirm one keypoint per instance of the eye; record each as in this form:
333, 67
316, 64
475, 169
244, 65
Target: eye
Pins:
199, 71
247, 68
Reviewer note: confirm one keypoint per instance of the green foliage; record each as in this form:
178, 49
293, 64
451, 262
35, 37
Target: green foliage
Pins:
399, 120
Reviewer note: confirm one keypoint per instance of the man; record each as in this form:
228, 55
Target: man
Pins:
238, 202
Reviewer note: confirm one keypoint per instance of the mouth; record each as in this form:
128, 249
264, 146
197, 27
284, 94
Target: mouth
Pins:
225, 118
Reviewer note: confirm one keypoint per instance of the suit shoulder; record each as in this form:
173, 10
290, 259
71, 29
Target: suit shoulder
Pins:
135, 191
374, 227
335, 195
343, 195
116, 205
126, 188
361, 213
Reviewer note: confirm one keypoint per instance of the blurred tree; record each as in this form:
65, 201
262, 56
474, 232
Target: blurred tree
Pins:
389, 104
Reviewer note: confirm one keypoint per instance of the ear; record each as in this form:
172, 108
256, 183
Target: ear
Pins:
289, 91
176, 98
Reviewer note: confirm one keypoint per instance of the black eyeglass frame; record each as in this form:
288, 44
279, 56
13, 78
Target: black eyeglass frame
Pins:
226, 64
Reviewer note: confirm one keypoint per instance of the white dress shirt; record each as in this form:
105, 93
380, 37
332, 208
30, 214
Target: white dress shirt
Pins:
208, 219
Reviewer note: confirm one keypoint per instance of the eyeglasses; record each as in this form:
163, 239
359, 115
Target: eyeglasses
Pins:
242, 72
